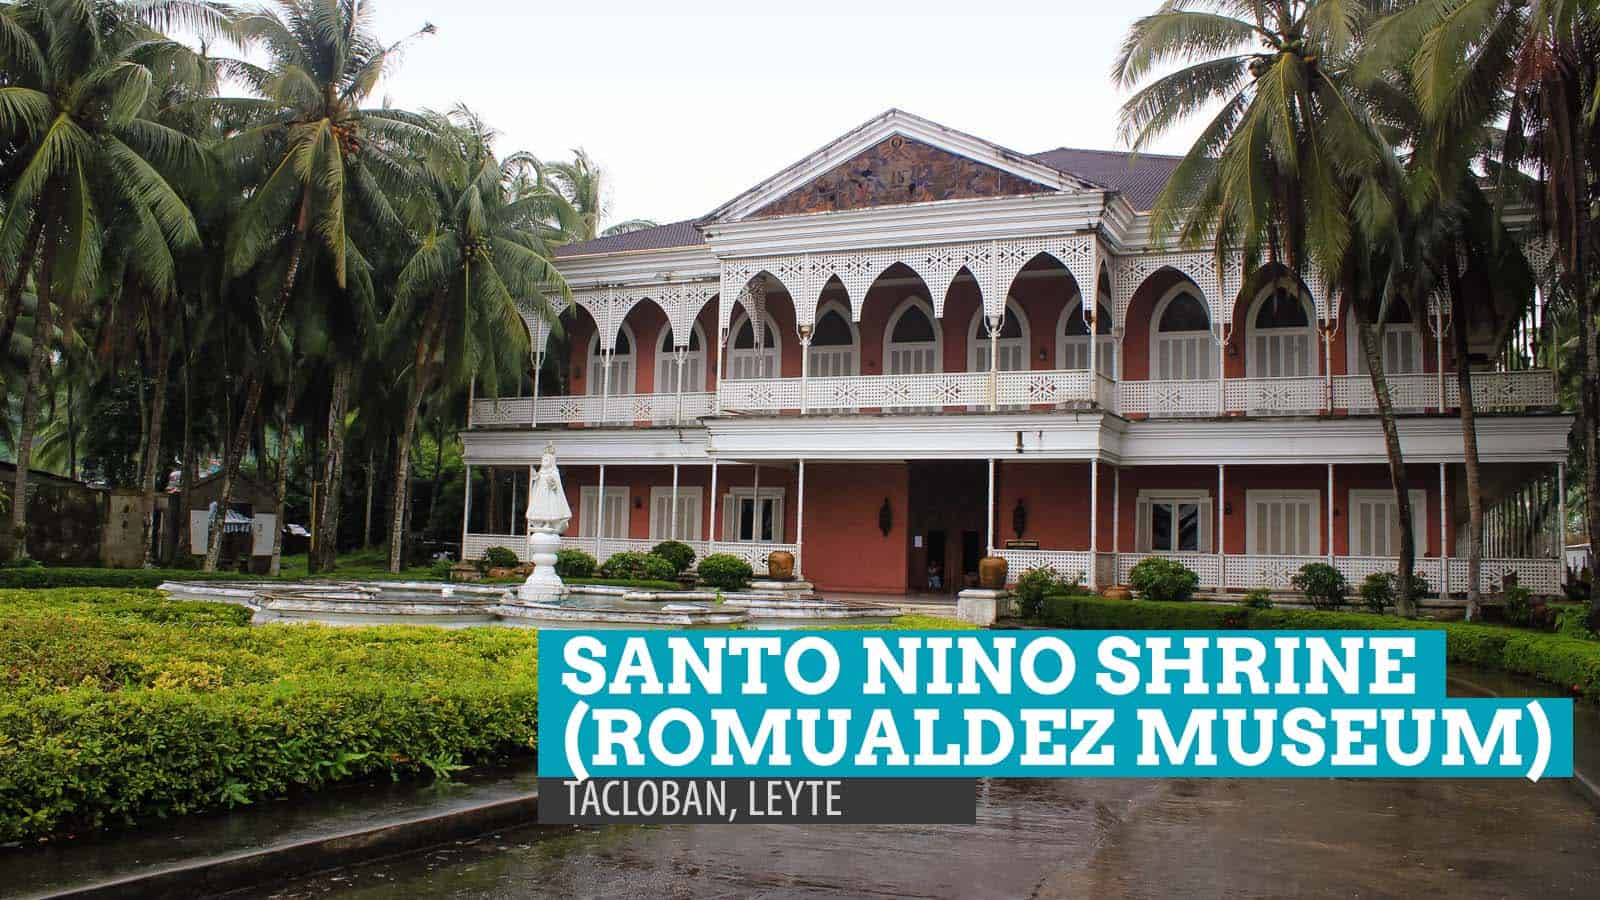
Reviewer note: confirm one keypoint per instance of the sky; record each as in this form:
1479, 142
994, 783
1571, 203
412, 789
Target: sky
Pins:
686, 105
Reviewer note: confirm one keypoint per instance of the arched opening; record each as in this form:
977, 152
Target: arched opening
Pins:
1282, 341
694, 362
1072, 340
835, 343
748, 360
618, 378
1181, 344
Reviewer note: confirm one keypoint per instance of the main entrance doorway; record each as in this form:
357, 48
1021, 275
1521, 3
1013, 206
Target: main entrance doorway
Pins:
948, 502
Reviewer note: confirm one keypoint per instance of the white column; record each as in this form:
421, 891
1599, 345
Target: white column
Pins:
991, 506
755, 508
995, 324
1330, 514
1094, 517
1116, 510
533, 412
1222, 505
466, 510
1438, 349
1089, 316
711, 526
800, 518
600, 512
672, 530
1327, 367
1444, 548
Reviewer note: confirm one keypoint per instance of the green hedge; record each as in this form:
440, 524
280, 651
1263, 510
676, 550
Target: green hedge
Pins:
87, 576
108, 718
1572, 664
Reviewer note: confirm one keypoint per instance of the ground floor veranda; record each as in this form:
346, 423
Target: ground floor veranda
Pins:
895, 527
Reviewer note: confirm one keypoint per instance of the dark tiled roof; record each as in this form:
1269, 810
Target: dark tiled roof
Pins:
1140, 181
661, 237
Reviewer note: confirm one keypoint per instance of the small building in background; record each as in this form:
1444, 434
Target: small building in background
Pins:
247, 533
66, 518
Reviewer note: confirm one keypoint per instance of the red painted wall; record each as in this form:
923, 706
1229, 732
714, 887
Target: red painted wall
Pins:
844, 550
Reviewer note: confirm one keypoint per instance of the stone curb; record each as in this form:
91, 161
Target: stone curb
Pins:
295, 859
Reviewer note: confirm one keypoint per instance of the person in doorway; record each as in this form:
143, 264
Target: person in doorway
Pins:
935, 577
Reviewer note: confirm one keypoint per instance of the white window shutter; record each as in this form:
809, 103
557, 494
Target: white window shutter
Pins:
586, 512
730, 518
1207, 524
1142, 523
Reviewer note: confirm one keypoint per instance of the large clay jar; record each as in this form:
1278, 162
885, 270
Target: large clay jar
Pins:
992, 573
780, 565
1117, 592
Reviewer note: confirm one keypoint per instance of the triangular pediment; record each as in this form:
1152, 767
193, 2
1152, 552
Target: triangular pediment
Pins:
899, 169
897, 158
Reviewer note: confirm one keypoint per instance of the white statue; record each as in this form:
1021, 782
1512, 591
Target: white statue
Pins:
547, 502
548, 515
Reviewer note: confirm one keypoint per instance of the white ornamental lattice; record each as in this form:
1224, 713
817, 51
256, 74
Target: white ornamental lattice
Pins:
680, 301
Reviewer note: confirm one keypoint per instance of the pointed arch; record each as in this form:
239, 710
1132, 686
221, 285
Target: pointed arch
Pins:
835, 349
1012, 345
1280, 328
1183, 344
754, 352
623, 372
913, 342
694, 361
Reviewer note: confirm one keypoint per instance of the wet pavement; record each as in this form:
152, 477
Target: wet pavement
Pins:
1062, 839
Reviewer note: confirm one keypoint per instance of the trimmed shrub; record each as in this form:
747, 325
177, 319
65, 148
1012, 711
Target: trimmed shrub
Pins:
500, 558
633, 566
1034, 584
1377, 591
1572, 620
1163, 580
1322, 584
725, 571
678, 553
574, 563
1569, 663
111, 720
1260, 598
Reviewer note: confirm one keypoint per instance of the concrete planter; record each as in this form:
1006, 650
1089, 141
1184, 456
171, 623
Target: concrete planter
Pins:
780, 565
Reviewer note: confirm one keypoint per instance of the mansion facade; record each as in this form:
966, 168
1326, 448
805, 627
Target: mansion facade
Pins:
914, 348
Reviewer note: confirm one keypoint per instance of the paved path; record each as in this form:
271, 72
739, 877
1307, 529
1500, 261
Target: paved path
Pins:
1063, 839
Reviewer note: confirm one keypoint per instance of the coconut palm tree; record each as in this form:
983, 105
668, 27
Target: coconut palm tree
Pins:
480, 262
1288, 167
1542, 59
76, 109
310, 153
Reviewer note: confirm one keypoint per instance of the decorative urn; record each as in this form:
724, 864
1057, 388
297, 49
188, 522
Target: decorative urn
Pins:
992, 573
780, 565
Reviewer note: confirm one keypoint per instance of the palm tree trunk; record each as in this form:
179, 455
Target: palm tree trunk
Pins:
42, 335
1404, 602
1590, 421
152, 457
1469, 438
366, 525
401, 492
15, 289
327, 550
281, 489
252, 394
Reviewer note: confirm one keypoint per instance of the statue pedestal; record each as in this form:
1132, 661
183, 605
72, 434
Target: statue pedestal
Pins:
981, 606
544, 585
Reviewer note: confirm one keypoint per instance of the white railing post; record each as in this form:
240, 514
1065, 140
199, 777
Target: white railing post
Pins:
682, 354
605, 387
995, 324
805, 369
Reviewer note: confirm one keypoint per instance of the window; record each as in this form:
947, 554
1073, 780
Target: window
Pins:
744, 519
1375, 523
688, 521
616, 512
913, 340
694, 364
1283, 523
834, 348
745, 359
1400, 341
1174, 522
1182, 348
1282, 341
1011, 348
1072, 351
620, 378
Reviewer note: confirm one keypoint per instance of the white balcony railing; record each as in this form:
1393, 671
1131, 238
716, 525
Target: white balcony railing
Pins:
1011, 391
584, 409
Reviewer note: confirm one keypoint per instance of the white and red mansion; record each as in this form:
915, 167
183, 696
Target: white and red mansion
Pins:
881, 359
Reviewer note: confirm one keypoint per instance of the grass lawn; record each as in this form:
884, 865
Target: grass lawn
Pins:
118, 706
